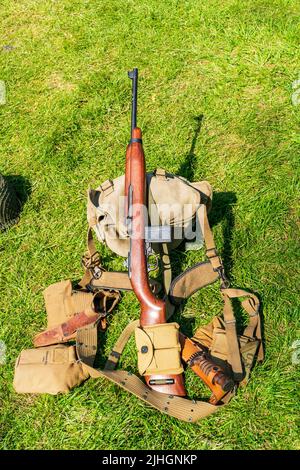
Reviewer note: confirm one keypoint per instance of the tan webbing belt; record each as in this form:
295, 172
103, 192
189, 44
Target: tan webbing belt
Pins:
181, 408
229, 319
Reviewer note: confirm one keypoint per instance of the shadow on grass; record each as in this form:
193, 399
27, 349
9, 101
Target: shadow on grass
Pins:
21, 186
222, 201
187, 168
221, 212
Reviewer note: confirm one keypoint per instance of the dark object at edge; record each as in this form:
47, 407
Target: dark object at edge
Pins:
10, 205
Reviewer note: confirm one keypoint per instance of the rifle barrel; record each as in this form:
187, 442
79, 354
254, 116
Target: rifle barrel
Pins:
133, 75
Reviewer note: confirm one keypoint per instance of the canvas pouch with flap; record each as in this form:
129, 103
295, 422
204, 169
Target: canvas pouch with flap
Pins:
51, 369
158, 349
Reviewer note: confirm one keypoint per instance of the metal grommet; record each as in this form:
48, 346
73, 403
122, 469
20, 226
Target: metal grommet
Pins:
144, 349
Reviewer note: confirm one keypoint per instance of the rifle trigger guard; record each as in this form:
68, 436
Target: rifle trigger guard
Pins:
153, 266
149, 252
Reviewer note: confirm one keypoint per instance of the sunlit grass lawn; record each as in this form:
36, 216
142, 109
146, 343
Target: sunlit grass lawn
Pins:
65, 126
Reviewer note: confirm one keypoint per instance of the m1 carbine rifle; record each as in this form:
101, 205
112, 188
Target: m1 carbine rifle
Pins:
153, 310
163, 337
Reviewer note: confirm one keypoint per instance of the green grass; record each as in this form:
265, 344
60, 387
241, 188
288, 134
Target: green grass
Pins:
65, 126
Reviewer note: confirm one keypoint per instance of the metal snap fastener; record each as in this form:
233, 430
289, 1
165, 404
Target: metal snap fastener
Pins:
144, 349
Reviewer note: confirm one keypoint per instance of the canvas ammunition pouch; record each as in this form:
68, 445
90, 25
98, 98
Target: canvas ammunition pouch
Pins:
52, 369
62, 302
158, 349
215, 337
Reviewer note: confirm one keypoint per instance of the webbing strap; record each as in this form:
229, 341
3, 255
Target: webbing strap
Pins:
191, 280
181, 408
251, 306
91, 260
211, 251
119, 346
119, 280
234, 356
113, 280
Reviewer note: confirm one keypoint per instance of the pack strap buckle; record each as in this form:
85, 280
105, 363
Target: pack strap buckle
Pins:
107, 187
224, 280
212, 253
92, 264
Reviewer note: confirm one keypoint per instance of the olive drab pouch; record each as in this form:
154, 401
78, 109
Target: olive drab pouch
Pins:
51, 369
158, 349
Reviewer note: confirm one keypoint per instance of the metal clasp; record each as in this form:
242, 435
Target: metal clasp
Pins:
92, 264
224, 280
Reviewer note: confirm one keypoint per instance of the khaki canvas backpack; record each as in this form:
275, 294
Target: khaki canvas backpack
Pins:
172, 201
